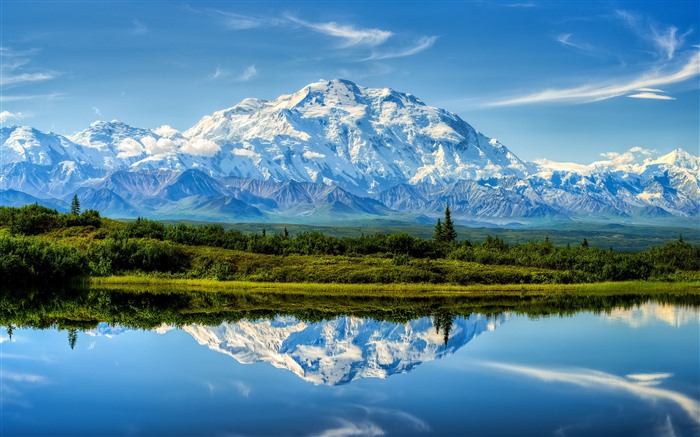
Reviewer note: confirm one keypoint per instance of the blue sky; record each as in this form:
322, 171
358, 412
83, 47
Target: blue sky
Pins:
562, 80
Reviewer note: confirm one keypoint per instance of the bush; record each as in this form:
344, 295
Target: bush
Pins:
26, 261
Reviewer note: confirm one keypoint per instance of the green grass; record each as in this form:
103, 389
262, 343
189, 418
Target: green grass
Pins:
135, 283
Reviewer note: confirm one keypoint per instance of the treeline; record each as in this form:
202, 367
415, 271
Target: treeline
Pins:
35, 219
212, 252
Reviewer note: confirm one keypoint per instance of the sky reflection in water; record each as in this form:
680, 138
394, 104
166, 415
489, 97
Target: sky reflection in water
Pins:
629, 372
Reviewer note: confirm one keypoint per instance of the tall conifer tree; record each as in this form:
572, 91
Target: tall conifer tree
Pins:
448, 228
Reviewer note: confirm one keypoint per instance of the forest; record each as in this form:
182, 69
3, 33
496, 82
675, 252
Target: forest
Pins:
39, 245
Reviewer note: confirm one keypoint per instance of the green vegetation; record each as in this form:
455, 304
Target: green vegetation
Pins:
41, 246
147, 307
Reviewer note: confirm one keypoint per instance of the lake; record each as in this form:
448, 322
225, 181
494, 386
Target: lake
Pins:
632, 369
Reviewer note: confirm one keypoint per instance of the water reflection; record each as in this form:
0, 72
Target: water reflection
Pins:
641, 385
344, 349
653, 312
147, 364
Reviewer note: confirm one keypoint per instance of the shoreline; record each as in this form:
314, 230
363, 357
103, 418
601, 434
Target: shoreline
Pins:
396, 289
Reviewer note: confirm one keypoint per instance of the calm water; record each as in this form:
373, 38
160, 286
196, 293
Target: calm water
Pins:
628, 372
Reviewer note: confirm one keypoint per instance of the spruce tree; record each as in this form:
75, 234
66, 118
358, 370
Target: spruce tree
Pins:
75, 206
438, 236
448, 228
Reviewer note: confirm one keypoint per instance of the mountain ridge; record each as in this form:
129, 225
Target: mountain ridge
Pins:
335, 149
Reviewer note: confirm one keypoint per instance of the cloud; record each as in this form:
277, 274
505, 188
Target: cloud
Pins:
129, 148
600, 380
654, 96
158, 146
416, 423
243, 388
138, 28
21, 98
200, 147
666, 40
422, 44
347, 429
649, 379
25, 77
595, 92
218, 73
97, 111
522, 5
233, 21
249, 73
632, 160
565, 40
23, 377
6, 116
350, 34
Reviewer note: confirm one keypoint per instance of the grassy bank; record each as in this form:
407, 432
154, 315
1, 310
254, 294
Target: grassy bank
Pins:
135, 283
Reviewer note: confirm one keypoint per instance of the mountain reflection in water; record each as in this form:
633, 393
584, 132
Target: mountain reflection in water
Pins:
344, 349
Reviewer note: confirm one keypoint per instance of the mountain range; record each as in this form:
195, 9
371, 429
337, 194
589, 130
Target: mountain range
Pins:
331, 151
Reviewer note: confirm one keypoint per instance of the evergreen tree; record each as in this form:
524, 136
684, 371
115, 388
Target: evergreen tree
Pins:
439, 235
584, 244
75, 206
72, 337
449, 234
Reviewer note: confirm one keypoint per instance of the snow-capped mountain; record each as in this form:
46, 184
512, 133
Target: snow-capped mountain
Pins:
331, 150
341, 350
363, 140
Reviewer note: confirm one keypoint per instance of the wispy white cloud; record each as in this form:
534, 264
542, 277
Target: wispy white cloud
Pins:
233, 21
6, 116
665, 39
16, 71
22, 377
350, 34
346, 428
12, 79
138, 28
243, 389
652, 96
249, 73
522, 5
600, 380
565, 39
422, 44
21, 98
596, 92
416, 423
243, 22
97, 111
218, 73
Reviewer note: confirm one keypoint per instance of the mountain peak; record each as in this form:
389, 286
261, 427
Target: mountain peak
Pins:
335, 84
680, 158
